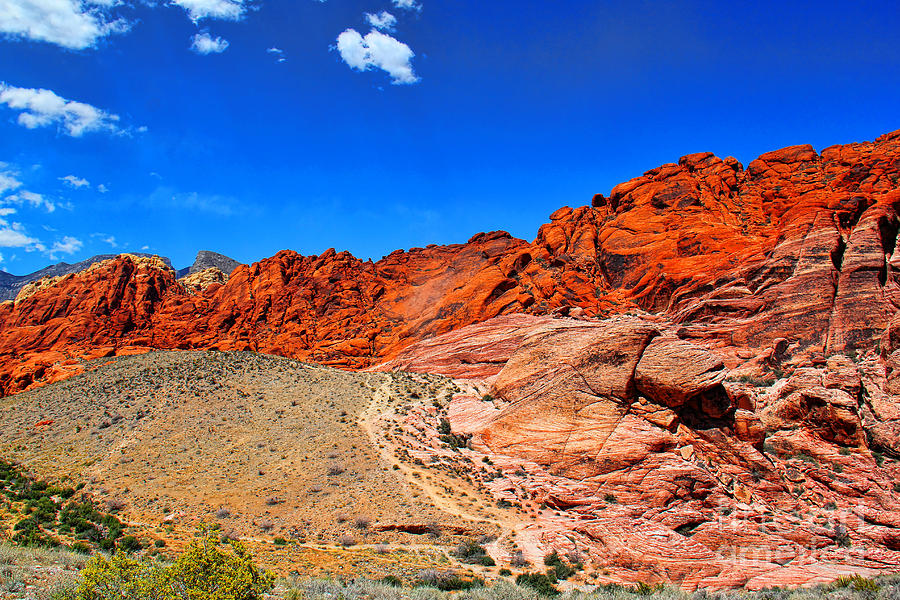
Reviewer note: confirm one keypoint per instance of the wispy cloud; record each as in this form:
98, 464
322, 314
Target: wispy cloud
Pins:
377, 50
75, 182
204, 43
278, 53
67, 245
215, 204
384, 20
8, 179
13, 235
32, 199
106, 239
43, 108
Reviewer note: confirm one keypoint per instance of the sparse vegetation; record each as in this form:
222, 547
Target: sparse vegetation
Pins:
473, 553
45, 515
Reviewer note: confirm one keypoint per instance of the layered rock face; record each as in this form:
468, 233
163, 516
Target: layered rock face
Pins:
795, 251
655, 463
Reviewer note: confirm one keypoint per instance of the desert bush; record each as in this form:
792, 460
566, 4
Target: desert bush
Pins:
518, 559
539, 582
362, 522
473, 553
561, 570
447, 580
857, 583
115, 504
266, 526
203, 572
346, 540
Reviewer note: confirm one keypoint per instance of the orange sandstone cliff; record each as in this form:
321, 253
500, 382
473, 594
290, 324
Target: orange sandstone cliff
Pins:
794, 254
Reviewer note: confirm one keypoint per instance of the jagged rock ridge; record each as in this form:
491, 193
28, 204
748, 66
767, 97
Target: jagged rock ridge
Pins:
10, 285
795, 253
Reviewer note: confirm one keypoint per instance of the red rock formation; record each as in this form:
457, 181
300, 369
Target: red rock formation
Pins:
798, 249
658, 470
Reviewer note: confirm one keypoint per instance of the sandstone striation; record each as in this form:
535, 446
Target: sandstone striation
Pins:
692, 477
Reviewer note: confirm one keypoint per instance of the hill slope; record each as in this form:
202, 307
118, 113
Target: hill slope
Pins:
263, 445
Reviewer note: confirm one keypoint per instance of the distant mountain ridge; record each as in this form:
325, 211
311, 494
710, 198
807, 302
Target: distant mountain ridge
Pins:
207, 259
11, 284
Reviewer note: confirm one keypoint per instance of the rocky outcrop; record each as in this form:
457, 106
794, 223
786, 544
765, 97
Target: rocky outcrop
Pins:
12, 285
658, 467
201, 280
790, 258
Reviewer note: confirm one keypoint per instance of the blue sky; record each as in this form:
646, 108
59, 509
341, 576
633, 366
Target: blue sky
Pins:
249, 127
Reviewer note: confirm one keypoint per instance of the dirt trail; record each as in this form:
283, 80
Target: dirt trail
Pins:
444, 492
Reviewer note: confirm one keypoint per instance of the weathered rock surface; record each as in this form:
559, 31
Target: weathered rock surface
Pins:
699, 493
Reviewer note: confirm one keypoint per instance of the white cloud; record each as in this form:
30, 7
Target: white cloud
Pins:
384, 20
379, 50
13, 235
407, 4
203, 43
75, 182
32, 199
67, 245
279, 54
102, 188
73, 24
41, 108
105, 238
230, 10
6, 211
8, 181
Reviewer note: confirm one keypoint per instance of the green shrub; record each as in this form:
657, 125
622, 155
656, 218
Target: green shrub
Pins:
539, 582
857, 582
280, 541
561, 570
129, 543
